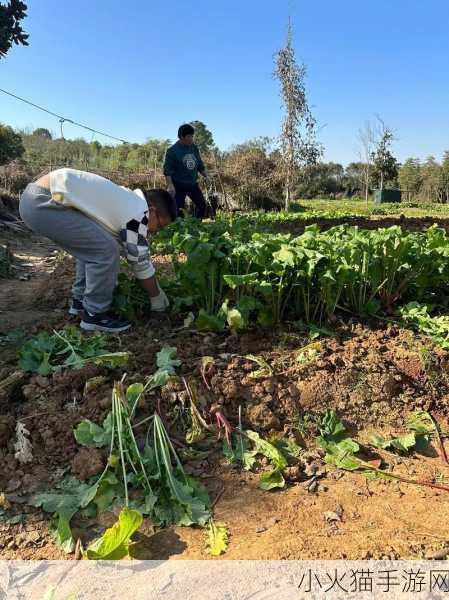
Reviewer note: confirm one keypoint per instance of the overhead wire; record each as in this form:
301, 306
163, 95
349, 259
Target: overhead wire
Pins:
63, 120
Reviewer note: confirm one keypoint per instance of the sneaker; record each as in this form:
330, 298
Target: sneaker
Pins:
76, 307
103, 322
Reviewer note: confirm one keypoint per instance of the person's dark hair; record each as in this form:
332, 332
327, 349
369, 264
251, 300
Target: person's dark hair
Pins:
185, 130
163, 202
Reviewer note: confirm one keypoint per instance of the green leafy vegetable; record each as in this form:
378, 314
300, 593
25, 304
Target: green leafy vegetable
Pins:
271, 479
68, 497
422, 427
165, 492
339, 448
421, 422
217, 537
269, 450
92, 435
63, 534
150, 480
238, 451
189, 506
342, 454
207, 322
105, 491
403, 443
287, 446
166, 359
167, 362
114, 543
69, 348
331, 426
304, 278
436, 327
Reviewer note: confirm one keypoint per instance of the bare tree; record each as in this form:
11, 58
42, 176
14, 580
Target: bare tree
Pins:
298, 143
367, 143
379, 165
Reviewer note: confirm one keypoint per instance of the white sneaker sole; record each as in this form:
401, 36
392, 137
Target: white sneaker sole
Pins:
95, 327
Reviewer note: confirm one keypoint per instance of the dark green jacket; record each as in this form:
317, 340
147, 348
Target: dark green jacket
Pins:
182, 163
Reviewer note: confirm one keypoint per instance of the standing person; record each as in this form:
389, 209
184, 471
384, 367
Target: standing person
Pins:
182, 164
92, 218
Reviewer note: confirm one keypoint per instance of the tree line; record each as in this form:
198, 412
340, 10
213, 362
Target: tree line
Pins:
250, 174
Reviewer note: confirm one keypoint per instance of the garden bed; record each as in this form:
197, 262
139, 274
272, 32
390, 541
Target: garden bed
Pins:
277, 382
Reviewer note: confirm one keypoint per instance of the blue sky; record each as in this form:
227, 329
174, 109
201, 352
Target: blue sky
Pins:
138, 69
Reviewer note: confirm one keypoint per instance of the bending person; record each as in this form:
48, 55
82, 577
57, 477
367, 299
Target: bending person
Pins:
92, 218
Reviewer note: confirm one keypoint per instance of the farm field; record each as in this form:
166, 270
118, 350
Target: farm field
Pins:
302, 378
362, 208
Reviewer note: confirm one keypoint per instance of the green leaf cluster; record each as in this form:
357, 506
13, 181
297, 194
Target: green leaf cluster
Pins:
340, 449
436, 327
238, 451
403, 444
69, 348
422, 428
154, 474
166, 360
92, 435
64, 501
237, 277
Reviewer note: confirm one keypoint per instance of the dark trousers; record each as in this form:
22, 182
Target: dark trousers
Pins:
195, 194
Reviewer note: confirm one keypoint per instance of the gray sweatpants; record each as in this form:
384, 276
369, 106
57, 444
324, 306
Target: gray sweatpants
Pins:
96, 251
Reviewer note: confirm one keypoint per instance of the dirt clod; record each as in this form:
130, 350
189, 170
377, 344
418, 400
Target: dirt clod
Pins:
261, 416
87, 463
292, 473
13, 485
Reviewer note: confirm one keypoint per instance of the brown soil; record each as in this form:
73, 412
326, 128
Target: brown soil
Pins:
87, 463
408, 223
373, 376
34, 259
